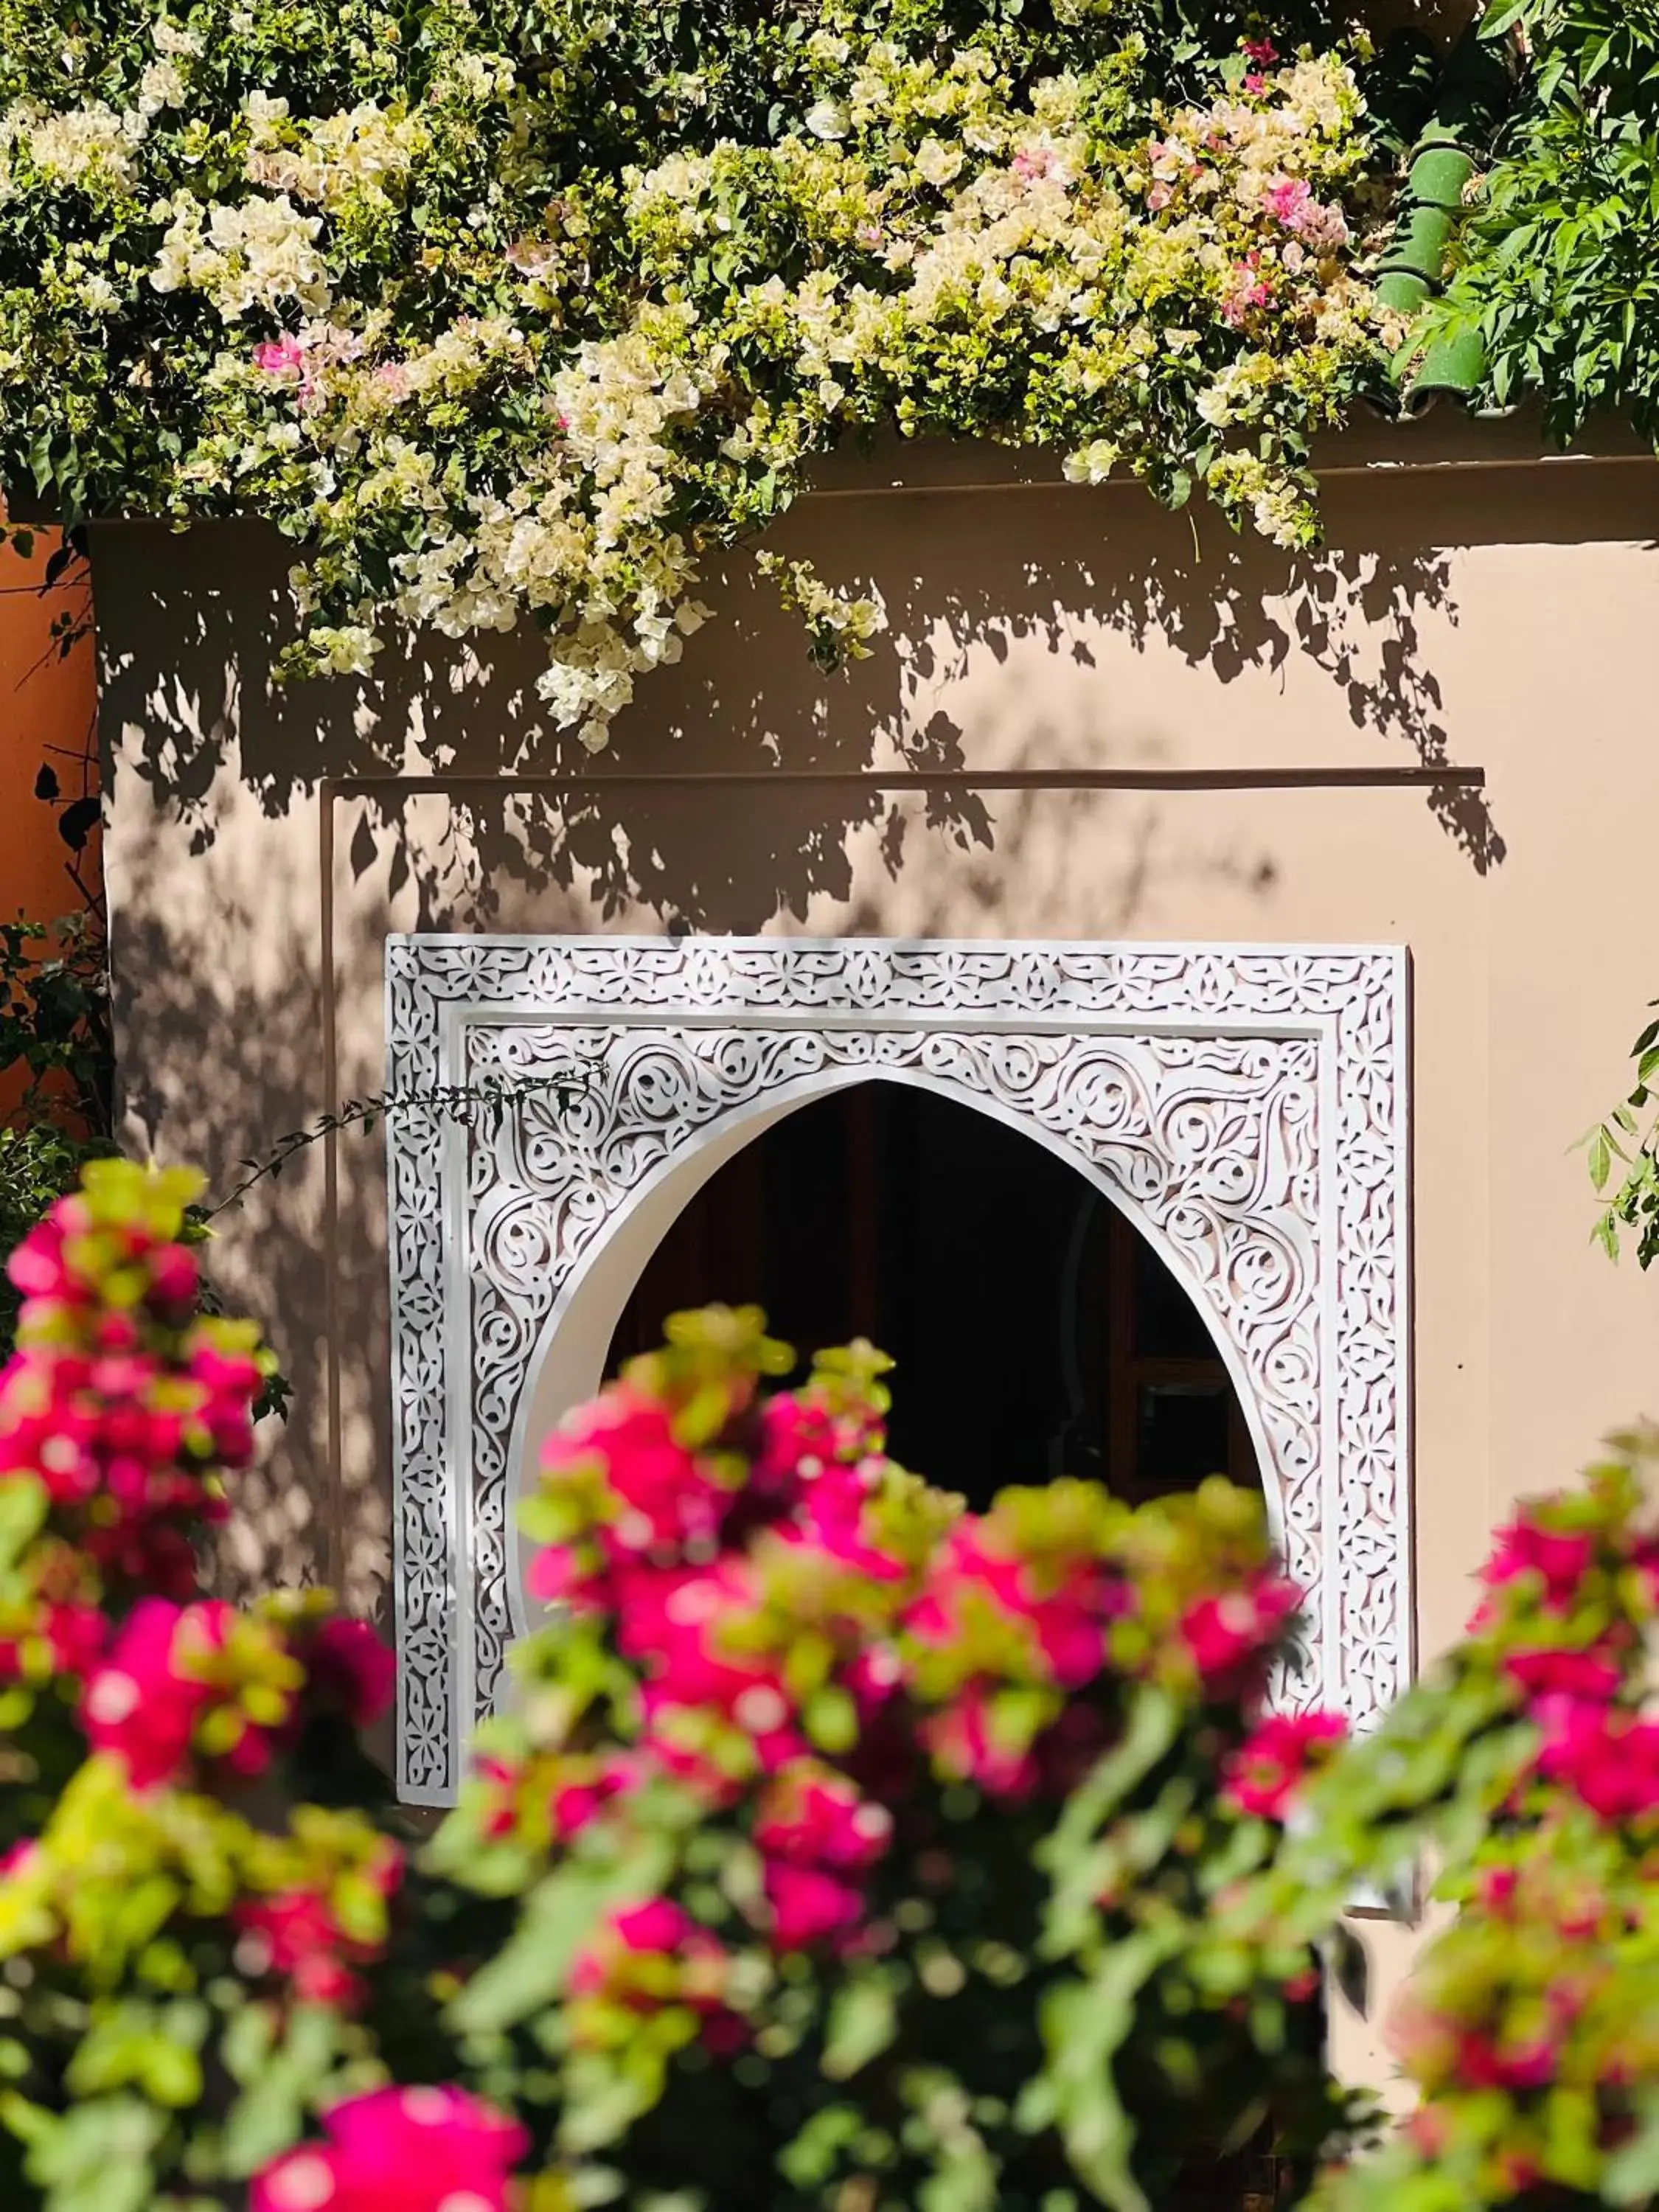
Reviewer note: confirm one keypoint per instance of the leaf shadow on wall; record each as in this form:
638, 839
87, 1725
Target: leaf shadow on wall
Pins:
215, 780
1032, 579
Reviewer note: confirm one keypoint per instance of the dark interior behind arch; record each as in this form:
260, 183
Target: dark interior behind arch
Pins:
1035, 1332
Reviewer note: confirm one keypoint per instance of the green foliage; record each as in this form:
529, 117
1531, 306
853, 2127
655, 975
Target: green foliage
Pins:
55, 1045
1622, 1155
38, 1164
55, 1018
1560, 266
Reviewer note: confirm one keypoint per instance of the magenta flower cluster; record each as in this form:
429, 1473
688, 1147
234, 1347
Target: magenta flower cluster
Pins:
399, 2150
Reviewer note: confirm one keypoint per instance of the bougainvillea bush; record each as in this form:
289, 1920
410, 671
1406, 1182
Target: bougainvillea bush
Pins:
839, 1848
186, 1890
1526, 1769
869, 1847
529, 311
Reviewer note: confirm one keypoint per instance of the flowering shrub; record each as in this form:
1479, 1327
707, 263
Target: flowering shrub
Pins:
178, 1951
840, 1847
868, 1847
1530, 1765
531, 310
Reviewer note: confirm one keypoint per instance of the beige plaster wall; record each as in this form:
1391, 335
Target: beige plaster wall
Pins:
1475, 607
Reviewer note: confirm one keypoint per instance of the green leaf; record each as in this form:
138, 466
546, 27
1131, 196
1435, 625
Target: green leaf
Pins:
1084, 2025
810, 2160
862, 2022
604, 2094
1631, 2174
269, 2114
1071, 1855
23, 1504
558, 1916
831, 1720
98, 2156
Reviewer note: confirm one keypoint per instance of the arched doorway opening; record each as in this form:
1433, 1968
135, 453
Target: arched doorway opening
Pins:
1035, 1332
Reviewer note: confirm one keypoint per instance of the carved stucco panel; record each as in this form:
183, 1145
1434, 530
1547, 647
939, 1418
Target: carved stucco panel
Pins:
1245, 1106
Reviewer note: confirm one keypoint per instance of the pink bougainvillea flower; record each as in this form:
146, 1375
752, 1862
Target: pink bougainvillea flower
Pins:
669, 1624
202, 1675
1247, 289
1291, 201
354, 1666
574, 1576
830, 1517
658, 1925
801, 1433
1263, 1774
661, 1496
296, 1935
1260, 51
557, 1795
1495, 1889
1483, 2063
575, 1802
809, 1907
1226, 1633
648, 1956
1559, 1560
1065, 1606
1611, 1763
874, 1675
967, 1743
1592, 1676
1037, 163
809, 1815
1287, 198
285, 357
399, 2150
137, 1705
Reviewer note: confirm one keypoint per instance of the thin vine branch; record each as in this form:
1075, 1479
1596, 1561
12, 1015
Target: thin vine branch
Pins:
475, 1105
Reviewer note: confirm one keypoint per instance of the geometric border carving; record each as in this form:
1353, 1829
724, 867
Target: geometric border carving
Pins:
1246, 1106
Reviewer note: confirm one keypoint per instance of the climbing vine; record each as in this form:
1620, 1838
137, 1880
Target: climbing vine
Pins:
507, 310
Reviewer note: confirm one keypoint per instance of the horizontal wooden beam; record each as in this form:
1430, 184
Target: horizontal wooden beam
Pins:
580, 784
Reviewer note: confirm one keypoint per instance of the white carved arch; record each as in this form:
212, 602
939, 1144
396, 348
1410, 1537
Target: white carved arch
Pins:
567, 1362
1245, 1107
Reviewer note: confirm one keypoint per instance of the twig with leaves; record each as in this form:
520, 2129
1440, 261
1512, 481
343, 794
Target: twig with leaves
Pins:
472, 1105
1625, 1137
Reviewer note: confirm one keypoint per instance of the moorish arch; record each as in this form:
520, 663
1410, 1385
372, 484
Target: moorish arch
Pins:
1243, 1107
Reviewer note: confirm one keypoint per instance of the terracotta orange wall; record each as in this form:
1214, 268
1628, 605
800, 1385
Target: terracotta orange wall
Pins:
48, 702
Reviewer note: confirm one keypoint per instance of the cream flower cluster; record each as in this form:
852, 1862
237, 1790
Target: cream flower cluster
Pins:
368, 149
258, 253
1016, 232
91, 146
81, 148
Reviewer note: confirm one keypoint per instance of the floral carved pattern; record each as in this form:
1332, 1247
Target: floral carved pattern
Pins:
1245, 1106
